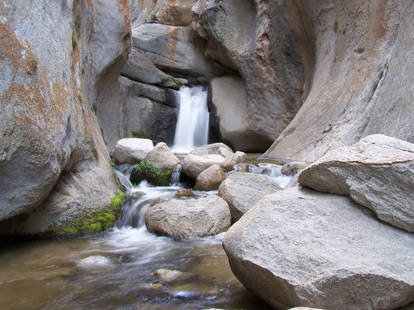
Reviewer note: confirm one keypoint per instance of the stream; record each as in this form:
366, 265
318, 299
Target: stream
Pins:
115, 269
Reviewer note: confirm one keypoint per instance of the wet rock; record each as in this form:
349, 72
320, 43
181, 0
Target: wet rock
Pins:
147, 112
162, 157
132, 150
189, 219
167, 275
92, 262
241, 190
304, 248
293, 167
184, 193
210, 179
148, 172
377, 172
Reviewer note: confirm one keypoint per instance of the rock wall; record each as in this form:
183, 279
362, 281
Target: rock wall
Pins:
262, 41
56, 61
362, 77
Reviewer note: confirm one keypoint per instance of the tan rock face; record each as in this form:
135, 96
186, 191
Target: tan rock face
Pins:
362, 77
48, 85
377, 172
169, 12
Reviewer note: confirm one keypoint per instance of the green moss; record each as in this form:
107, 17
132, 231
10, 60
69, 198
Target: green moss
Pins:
139, 134
95, 222
177, 84
150, 173
74, 41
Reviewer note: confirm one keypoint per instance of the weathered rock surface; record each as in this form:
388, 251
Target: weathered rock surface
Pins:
132, 150
144, 113
241, 190
170, 12
210, 179
141, 69
303, 248
263, 42
362, 77
173, 49
162, 157
206, 156
50, 140
189, 219
377, 172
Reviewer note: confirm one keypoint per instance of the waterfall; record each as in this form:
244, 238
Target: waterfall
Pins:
193, 119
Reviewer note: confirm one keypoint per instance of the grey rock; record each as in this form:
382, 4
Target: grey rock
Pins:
132, 150
241, 190
377, 172
303, 248
139, 68
143, 117
293, 167
193, 165
205, 156
162, 157
136, 89
210, 179
173, 49
189, 219
362, 78
263, 42
176, 12
48, 132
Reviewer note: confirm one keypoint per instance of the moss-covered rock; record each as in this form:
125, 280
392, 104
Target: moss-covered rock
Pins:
95, 222
150, 173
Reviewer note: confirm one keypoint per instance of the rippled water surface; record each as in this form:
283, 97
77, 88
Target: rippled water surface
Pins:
115, 269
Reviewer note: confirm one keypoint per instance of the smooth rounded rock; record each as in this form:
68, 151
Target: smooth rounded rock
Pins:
162, 157
210, 179
132, 150
189, 219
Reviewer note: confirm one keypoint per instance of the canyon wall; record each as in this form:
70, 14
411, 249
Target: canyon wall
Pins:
57, 59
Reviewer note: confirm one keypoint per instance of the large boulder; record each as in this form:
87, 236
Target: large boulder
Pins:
162, 157
241, 190
173, 49
210, 179
132, 150
377, 172
303, 248
189, 219
51, 145
361, 81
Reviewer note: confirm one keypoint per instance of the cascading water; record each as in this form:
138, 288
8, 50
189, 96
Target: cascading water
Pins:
193, 119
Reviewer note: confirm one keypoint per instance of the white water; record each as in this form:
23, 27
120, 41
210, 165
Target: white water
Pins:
193, 119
